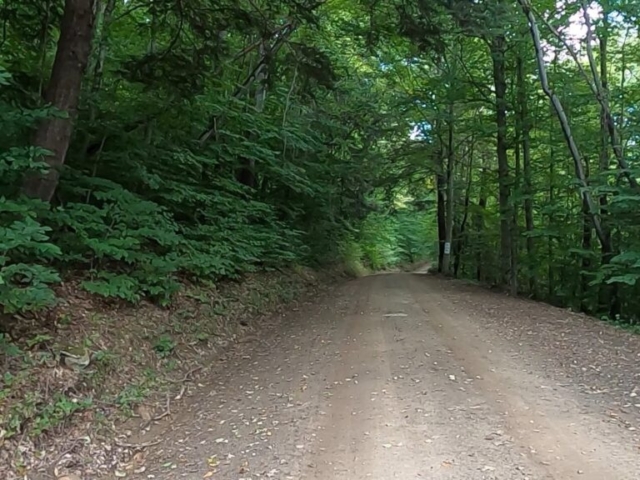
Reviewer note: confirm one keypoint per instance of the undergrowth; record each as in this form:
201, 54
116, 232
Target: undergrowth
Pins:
84, 364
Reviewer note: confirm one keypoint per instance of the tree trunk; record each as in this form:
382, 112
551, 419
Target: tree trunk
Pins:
103, 17
479, 222
63, 92
608, 296
498, 49
442, 215
550, 263
515, 229
525, 138
446, 263
564, 123
247, 174
601, 91
104, 10
43, 47
586, 259
460, 243
593, 81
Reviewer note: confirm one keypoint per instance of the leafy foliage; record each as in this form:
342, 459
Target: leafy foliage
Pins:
525, 222
174, 170
214, 139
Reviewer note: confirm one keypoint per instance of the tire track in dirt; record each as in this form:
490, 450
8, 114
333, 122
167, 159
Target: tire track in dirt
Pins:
390, 380
566, 438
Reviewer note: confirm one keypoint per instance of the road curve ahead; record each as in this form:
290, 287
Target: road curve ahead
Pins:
400, 377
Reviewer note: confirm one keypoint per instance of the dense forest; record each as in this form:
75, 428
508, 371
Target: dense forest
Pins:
146, 142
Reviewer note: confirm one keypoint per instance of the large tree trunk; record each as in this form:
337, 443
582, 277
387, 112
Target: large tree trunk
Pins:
498, 49
63, 92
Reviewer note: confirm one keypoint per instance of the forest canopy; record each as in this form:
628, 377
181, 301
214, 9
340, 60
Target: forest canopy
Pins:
145, 142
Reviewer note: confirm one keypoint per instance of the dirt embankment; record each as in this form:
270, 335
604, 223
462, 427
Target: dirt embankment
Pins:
80, 381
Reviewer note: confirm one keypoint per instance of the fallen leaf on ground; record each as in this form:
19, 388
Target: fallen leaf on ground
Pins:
144, 413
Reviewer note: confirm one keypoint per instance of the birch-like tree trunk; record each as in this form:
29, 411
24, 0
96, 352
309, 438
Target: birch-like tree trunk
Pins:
566, 127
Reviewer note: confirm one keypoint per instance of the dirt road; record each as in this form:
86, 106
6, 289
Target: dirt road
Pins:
412, 377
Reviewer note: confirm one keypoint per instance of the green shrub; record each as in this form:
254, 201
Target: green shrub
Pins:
352, 259
25, 283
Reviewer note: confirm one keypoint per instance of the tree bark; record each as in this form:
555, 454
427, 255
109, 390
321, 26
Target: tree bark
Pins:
441, 213
448, 238
515, 228
63, 92
586, 259
608, 295
498, 50
550, 262
479, 222
43, 47
104, 11
525, 139
460, 243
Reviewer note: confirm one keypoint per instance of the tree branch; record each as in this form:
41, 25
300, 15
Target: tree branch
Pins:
564, 123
